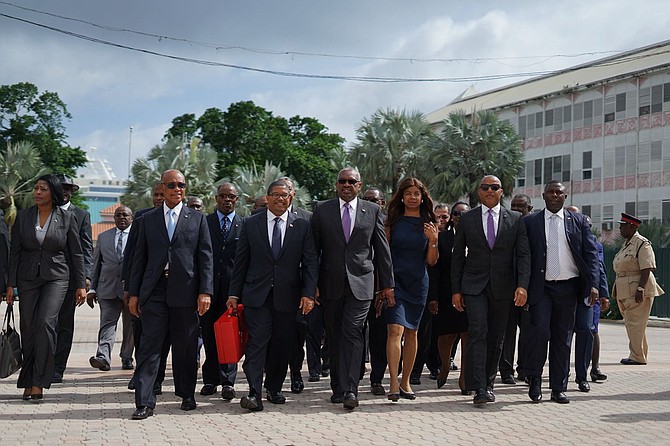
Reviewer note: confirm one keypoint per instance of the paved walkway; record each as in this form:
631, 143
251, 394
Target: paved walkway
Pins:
92, 407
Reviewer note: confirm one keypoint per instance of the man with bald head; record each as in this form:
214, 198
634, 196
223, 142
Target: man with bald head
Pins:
171, 285
494, 273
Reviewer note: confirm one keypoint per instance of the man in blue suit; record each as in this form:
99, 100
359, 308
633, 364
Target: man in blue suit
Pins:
564, 270
171, 284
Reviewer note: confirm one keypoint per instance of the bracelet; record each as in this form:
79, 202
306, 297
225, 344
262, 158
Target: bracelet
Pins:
433, 245
640, 289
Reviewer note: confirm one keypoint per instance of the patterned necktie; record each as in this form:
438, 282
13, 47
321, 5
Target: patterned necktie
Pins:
553, 262
119, 246
346, 222
224, 227
171, 224
276, 238
490, 230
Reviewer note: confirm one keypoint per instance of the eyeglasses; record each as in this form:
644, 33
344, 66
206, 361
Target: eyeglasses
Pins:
493, 187
444, 217
276, 195
175, 184
457, 213
351, 181
231, 197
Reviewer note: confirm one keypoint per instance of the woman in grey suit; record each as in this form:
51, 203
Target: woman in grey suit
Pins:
41, 236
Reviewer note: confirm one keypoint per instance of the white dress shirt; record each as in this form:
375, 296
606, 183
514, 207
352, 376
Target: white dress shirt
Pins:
352, 212
271, 225
567, 263
496, 218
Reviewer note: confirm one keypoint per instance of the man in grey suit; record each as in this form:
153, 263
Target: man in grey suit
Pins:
107, 290
352, 246
274, 277
490, 267
65, 325
170, 285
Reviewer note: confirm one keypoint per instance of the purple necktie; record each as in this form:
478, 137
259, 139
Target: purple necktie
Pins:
490, 230
346, 222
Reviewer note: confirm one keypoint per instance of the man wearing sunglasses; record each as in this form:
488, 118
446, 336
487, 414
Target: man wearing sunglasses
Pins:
494, 272
352, 247
171, 285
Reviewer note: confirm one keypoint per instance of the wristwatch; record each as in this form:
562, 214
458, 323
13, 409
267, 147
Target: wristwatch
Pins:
640, 289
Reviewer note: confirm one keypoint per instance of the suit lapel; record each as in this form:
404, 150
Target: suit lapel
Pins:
361, 217
503, 224
288, 235
215, 227
234, 229
182, 222
159, 218
480, 226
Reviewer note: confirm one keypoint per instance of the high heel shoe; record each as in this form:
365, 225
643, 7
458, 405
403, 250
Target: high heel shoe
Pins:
466, 392
394, 397
407, 395
441, 382
597, 375
37, 397
26, 395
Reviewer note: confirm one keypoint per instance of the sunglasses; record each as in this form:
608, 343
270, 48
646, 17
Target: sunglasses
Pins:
444, 217
457, 213
175, 184
231, 197
350, 181
493, 187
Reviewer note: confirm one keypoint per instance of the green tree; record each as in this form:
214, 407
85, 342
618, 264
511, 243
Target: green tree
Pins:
196, 161
468, 148
182, 126
389, 146
38, 118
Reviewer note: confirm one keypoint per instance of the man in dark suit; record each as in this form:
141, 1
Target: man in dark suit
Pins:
171, 284
65, 325
564, 270
224, 228
352, 246
490, 267
4, 251
107, 290
274, 277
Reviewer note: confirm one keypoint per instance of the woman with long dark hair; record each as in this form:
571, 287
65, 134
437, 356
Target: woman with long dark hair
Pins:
41, 236
411, 230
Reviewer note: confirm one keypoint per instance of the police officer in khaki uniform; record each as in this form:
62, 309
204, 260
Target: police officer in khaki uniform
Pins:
635, 287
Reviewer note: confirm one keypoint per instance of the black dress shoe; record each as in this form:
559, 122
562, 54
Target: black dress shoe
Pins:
452, 365
336, 398
407, 395
433, 375
142, 413
252, 403
350, 401
228, 393
131, 383
508, 380
597, 375
559, 397
535, 391
415, 380
628, 361
314, 378
276, 397
466, 392
127, 364
377, 389
208, 389
325, 372
57, 378
99, 363
583, 385
480, 397
297, 384
158, 389
188, 403
490, 397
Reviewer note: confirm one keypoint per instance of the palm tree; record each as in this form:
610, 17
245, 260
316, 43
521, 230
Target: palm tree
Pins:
468, 148
20, 166
196, 161
389, 147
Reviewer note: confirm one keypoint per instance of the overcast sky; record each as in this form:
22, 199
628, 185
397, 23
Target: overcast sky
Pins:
108, 89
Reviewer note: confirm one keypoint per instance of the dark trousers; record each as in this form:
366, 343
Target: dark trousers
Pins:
344, 319
552, 321
583, 339
158, 319
376, 344
317, 352
518, 317
212, 372
110, 311
39, 304
298, 347
65, 331
137, 337
270, 337
423, 335
487, 320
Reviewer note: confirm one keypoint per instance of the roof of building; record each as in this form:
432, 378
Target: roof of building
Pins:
635, 62
99, 228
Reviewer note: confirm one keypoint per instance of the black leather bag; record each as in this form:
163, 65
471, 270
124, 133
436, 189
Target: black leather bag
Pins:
11, 358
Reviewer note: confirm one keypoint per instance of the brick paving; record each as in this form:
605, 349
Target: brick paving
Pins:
93, 407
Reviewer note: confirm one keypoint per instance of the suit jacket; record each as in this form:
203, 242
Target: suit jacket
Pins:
224, 253
301, 213
83, 219
291, 276
4, 251
129, 251
30, 260
440, 274
367, 251
189, 254
506, 266
582, 245
106, 276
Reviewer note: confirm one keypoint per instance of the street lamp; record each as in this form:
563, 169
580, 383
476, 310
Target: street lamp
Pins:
130, 148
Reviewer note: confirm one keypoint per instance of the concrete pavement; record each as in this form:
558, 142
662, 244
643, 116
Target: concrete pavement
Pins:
93, 407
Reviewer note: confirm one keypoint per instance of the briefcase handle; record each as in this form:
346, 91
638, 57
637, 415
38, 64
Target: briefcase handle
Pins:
9, 317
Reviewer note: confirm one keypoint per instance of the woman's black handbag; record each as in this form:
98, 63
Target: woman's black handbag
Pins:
11, 358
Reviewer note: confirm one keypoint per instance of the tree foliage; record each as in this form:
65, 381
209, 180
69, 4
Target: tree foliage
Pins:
30, 116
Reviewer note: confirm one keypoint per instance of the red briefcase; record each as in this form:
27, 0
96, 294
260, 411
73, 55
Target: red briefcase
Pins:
231, 335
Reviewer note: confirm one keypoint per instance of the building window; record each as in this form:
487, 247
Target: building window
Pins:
630, 208
645, 101
586, 210
538, 120
609, 108
522, 126
567, 113
643, 209
665, 212
608, 212
549, 118
666, 92
619, 161
588, 113
538, 173
657, 98
620, 102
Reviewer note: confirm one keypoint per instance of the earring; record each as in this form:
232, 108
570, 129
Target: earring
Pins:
402, 200
421, 201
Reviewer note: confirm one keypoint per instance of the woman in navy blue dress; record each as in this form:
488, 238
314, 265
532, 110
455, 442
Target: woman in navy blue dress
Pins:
412, 234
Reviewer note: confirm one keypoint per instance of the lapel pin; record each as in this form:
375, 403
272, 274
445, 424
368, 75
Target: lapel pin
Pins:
290, 225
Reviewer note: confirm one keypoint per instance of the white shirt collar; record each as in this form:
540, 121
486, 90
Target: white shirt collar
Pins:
177, 209
496, 209
271, 217
352, 203
560, 214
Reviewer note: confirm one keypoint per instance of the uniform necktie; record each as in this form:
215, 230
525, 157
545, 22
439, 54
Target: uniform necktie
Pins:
119, 246
346, 222
490, 230
553, 262
171, 224
224, 227
276, 238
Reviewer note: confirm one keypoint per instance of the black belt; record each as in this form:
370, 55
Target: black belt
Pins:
562, 281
